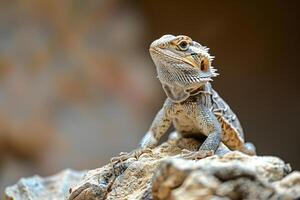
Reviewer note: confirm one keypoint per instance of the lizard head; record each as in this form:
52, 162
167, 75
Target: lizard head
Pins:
183, 65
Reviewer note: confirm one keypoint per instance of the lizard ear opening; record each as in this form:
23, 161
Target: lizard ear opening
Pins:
204, 66
175, 93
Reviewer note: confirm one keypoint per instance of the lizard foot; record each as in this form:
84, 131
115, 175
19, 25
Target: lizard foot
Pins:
196, 155
123, 156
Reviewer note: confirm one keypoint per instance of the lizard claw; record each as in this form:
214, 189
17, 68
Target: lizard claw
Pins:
123, 153
139, 152
123, 156
196, 155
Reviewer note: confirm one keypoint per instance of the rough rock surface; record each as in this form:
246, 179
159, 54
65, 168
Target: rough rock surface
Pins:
51, 188
163, 175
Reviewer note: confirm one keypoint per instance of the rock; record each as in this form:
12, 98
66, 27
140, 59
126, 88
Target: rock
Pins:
163, 175
51, 188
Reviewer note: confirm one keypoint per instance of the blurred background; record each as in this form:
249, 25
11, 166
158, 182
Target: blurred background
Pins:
77, 84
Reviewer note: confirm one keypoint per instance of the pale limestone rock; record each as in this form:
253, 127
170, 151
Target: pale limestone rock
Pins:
51, 188
163, 175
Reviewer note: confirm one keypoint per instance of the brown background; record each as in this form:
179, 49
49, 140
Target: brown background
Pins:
257, 49
77, 84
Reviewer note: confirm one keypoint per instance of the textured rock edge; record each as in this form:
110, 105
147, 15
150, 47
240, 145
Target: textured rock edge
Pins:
163, 174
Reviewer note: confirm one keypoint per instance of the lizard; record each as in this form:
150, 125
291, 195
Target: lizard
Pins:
184, 68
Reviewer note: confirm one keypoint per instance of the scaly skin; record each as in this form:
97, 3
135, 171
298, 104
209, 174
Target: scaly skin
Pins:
185, 71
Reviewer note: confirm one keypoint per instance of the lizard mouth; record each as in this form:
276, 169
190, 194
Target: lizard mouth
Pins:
199, 62
192, 60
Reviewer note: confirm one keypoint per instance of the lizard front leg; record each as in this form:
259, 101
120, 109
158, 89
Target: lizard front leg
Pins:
159, 127
209, 126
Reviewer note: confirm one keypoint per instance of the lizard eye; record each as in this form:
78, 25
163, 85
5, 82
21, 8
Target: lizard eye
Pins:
183, 45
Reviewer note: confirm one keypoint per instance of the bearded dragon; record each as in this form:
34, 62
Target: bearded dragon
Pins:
185, 70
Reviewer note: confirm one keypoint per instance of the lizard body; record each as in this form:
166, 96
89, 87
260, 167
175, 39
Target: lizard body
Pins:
185, 71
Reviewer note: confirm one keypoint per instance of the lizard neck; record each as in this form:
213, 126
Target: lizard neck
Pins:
203, 89
203, 92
